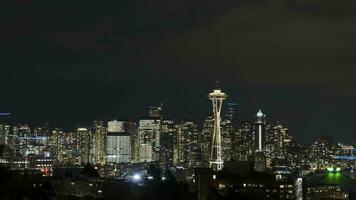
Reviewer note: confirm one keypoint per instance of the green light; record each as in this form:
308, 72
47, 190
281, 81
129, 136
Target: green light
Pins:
338, 169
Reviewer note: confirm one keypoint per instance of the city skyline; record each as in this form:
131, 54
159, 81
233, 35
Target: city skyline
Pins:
274, 115
178, 99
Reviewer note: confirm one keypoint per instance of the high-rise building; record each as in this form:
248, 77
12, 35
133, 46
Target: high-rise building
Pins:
168, 141
118, 148
277, 143
244, 142
228, 131
149, 134
4, 134
231, 114
118, 143
216, 159
132, 129
321, 152
205, 138
187, 144
56, 144
98, 147
83, 141
22, 142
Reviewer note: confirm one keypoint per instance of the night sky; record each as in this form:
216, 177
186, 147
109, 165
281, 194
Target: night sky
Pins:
70, 62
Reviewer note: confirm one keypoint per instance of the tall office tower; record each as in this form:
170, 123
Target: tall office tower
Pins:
132, 129
205, 138
156, 112
83, 145
149, 135
187, 144
260, 132
98, 147
216, 161
320, 152
4, 134
11, 140
244, 140
283, 140
168, 141
229, 131
57, 146
118, 149
23, 133
231, 114
40, 139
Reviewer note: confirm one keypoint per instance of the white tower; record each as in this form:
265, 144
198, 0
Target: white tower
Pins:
260, 136
216, 162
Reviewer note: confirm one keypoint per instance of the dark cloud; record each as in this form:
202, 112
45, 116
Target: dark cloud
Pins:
72, 61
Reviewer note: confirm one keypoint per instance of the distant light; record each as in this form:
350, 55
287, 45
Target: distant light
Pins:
163, 178
330, 169
150, 178
338, 169
136, 177
5, 114
100, 191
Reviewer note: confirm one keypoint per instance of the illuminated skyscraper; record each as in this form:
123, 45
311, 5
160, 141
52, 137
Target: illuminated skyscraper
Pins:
4, 134
118, 143
56, 144
205, 138
98, 148
119, 148
188, 149
149, 136
243, 142
83, 141
168, 141
229, 132
216, 161
132, 129
231, 114
278, 140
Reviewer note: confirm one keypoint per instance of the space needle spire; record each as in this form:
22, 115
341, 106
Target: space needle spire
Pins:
217, 97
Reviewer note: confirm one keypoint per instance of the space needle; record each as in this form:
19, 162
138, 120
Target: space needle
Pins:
217, 97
